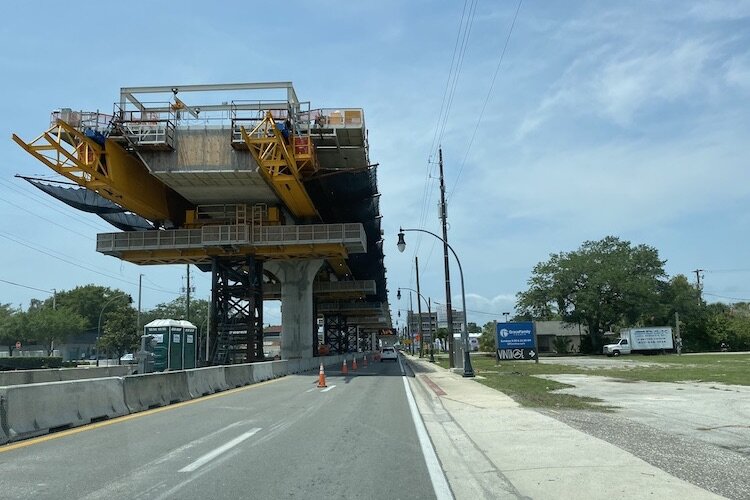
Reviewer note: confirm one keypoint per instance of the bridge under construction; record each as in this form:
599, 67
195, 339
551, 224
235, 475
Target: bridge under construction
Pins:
275, 198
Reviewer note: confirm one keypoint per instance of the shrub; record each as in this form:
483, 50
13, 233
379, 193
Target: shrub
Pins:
22, 363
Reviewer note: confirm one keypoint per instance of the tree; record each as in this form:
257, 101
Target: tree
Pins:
487, 339
602, 284
442, 334
176, 310
47, 325
87, 301
473, 327
10, 327
120, 334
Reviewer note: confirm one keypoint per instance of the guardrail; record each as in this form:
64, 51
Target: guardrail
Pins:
242, 234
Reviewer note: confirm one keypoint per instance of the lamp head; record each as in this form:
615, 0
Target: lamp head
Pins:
398, 294
401, 243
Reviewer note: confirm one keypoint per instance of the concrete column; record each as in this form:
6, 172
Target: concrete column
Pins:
373, 341
296, 277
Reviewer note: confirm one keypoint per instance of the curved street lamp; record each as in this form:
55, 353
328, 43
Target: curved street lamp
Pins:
468, 370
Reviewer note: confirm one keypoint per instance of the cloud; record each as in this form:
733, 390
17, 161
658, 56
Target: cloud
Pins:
738, 71
720, 10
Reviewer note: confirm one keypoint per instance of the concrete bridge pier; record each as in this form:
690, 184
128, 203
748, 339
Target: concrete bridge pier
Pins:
297, 311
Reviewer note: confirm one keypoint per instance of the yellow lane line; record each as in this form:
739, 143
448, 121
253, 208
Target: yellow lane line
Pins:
125, 418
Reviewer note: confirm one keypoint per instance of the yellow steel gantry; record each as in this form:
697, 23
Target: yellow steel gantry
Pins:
108, 170
281, 168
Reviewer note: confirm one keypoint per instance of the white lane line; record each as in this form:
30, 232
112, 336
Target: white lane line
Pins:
328, 388
310, 390
437, 477
218, 451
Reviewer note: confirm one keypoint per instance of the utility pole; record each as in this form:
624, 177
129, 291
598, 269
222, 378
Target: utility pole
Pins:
698, 279
411, 318
444, 220
187, 294
138, 320
419, 308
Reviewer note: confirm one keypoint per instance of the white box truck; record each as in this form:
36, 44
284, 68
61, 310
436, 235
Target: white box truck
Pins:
647, 340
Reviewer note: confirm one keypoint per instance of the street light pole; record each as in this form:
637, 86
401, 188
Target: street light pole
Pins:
419, 307
99, 328
468, 370
427, 301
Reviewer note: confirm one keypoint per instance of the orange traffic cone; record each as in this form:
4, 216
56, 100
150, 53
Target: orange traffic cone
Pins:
344, 369
354, 364
322, 377
365, 361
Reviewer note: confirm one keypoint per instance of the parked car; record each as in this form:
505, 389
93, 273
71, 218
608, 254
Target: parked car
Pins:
128, 359
388, 353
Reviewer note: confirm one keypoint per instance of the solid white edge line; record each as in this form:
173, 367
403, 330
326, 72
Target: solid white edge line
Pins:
328, 388
439, 482
218, 451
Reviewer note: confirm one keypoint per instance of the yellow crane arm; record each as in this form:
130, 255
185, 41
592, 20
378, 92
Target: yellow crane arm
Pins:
108, 170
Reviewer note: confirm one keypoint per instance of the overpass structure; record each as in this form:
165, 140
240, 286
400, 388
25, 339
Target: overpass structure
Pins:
276, 199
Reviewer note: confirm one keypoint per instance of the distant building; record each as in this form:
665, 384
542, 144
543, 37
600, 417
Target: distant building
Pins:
272, 341
547, 331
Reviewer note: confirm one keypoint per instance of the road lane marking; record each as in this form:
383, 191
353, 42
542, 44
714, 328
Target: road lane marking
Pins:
310, 390
437, 477
218, 451
125, 418
402, 366
328, 388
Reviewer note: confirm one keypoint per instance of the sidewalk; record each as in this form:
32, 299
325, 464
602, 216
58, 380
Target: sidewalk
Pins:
490, 447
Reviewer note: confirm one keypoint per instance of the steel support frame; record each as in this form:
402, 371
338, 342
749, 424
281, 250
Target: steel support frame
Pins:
339, 334
237, 310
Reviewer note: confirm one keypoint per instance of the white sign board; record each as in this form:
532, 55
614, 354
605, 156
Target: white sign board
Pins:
651, 338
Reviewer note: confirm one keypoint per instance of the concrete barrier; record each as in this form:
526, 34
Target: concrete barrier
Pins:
155, 389
263, 371
239, 375
280, 368
203, 381
34, 409
20, 377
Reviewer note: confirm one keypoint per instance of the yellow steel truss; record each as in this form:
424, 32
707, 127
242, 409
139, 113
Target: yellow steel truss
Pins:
279, 166
110, 170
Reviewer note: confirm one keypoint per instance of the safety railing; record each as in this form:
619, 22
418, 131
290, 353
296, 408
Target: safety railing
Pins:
336, 118
351, 235
81, 120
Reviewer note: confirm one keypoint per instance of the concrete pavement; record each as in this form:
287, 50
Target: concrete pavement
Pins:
490, 447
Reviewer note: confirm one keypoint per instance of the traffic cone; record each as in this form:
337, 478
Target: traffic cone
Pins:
322, 377
344, 369
354, 364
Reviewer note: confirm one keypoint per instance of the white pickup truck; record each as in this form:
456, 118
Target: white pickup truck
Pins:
648, 340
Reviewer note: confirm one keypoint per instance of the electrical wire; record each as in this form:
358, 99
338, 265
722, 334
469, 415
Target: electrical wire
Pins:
47, 220
27, 286
487, 98
725, 297
44, 201
72, 263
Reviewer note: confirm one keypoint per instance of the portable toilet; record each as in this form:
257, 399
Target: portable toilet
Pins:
169, 343
189, 344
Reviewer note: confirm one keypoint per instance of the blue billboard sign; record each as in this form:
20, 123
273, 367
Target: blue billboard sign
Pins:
515, 335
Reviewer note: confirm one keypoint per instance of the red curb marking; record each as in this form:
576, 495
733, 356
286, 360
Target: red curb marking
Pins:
435, 388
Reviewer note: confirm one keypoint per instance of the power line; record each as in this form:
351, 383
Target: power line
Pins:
487, 98
72, 263
26, 286
45, 202
48, 220
725, 297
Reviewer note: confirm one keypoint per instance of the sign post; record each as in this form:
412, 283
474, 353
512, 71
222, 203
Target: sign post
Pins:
516, 341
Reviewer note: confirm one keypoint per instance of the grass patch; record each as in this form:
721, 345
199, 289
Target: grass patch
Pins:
723, 368
517, 378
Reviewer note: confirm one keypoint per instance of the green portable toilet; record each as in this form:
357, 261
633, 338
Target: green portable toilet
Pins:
175, 345
189, 344
158, 331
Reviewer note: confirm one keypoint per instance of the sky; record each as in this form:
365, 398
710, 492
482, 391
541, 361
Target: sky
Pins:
588, 119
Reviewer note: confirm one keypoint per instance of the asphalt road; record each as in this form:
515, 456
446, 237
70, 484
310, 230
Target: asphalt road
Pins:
280, 439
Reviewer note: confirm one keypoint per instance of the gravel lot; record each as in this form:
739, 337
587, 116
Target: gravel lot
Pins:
699, 432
